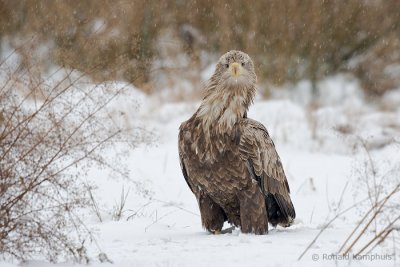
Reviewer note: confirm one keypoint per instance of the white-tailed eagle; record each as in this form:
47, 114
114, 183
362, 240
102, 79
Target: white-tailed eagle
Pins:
228, 160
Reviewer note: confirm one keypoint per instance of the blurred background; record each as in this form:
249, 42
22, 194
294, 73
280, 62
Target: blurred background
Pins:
157, 44
92, 94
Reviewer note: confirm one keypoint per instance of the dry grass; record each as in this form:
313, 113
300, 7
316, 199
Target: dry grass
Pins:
290, 40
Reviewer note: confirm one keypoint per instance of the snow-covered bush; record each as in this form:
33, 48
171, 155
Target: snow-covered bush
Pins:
52, 132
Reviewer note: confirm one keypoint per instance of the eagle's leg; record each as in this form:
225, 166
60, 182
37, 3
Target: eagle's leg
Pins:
253, 212
212, 215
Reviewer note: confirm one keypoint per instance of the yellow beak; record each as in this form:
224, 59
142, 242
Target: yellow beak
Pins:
235, 69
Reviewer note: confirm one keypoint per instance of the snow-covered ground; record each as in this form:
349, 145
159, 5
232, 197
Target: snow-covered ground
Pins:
317, 142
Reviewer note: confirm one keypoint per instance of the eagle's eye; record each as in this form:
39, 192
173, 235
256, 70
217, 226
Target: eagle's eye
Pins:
242, 64
227, 65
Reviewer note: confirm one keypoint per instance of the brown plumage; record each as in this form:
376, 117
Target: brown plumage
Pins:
228, 160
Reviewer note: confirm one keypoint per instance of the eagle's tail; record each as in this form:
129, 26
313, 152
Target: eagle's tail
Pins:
280, 210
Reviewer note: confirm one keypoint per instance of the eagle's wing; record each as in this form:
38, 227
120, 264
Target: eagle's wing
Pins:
181, 157
263, 162
212, 215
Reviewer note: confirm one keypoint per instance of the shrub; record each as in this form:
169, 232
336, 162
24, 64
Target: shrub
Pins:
51, 133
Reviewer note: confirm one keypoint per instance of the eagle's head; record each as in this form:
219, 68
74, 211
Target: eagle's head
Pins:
235, 69
230, 90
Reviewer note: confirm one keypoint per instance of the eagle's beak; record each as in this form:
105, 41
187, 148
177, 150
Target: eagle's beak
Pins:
235, 69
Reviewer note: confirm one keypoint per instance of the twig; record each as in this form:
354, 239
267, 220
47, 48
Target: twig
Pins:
381, 234
119, 207
179, 207
383, 202
137, 211
94, 203
381, 240
326, 226
158, 219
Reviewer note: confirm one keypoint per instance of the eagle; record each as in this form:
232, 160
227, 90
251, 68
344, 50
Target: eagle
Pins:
228, 160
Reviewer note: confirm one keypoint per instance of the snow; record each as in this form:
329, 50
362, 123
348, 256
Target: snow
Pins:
161, 226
